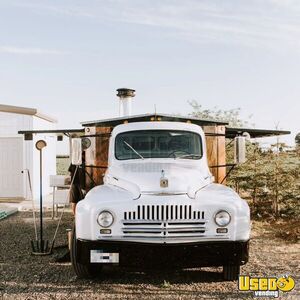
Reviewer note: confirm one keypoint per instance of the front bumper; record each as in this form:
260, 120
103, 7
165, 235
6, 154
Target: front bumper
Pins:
199, 254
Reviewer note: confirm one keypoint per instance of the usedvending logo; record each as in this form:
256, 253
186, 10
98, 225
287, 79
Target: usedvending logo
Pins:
266, 286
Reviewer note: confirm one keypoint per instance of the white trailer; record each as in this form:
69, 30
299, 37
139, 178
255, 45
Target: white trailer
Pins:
17, 156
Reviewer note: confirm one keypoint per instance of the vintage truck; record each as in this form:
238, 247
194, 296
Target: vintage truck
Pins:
159, 206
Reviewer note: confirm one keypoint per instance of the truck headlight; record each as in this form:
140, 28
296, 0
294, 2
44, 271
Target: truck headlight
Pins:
222, 218
105, 219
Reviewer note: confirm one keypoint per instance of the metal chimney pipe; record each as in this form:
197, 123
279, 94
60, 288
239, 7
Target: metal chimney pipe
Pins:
125, 101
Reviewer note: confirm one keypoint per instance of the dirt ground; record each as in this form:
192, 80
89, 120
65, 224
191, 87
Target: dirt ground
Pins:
23, 276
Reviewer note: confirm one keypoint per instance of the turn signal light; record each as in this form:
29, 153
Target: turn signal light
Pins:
105, 231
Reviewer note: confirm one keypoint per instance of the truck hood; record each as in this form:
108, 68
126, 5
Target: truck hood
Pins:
146, 178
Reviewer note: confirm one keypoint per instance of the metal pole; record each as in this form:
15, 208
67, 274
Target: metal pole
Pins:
41, 246
41, 205
32, 200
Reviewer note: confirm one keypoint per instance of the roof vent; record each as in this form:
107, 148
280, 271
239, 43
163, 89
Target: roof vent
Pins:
125, 101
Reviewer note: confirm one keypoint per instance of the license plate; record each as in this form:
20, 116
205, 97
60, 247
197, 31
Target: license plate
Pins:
100, 256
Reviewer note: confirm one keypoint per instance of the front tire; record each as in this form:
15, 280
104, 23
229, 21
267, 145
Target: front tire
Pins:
81, 270
231, 272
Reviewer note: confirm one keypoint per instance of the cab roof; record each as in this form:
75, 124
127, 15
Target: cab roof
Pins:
156, 125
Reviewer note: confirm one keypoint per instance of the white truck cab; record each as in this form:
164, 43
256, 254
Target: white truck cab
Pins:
159, 206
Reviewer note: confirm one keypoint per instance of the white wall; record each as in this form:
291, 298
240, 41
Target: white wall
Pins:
10, 124
49, 156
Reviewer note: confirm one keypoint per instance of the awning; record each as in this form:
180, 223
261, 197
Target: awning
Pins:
232, 132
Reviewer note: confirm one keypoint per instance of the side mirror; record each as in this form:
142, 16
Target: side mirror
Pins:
239, 149
76, 155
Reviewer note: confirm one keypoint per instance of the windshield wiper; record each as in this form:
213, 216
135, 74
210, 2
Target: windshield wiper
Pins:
133, 150
187, 156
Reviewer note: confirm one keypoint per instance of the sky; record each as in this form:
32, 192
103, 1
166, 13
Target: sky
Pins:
68, 57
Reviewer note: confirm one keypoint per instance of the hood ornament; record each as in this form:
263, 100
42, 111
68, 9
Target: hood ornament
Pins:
164, 182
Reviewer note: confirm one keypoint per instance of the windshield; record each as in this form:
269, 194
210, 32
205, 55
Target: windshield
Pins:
158, 144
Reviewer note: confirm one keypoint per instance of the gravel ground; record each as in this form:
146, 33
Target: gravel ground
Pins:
23, 276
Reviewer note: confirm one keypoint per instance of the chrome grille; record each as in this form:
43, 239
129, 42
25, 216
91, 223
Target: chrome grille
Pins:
164, 213
164, 221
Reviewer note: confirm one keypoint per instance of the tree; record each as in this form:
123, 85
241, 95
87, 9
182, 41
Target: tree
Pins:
270, 179
232, 116
297, 140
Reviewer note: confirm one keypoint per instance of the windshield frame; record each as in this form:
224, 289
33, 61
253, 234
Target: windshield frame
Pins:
173, 130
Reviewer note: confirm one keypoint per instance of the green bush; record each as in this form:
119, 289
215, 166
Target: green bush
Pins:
270, 180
